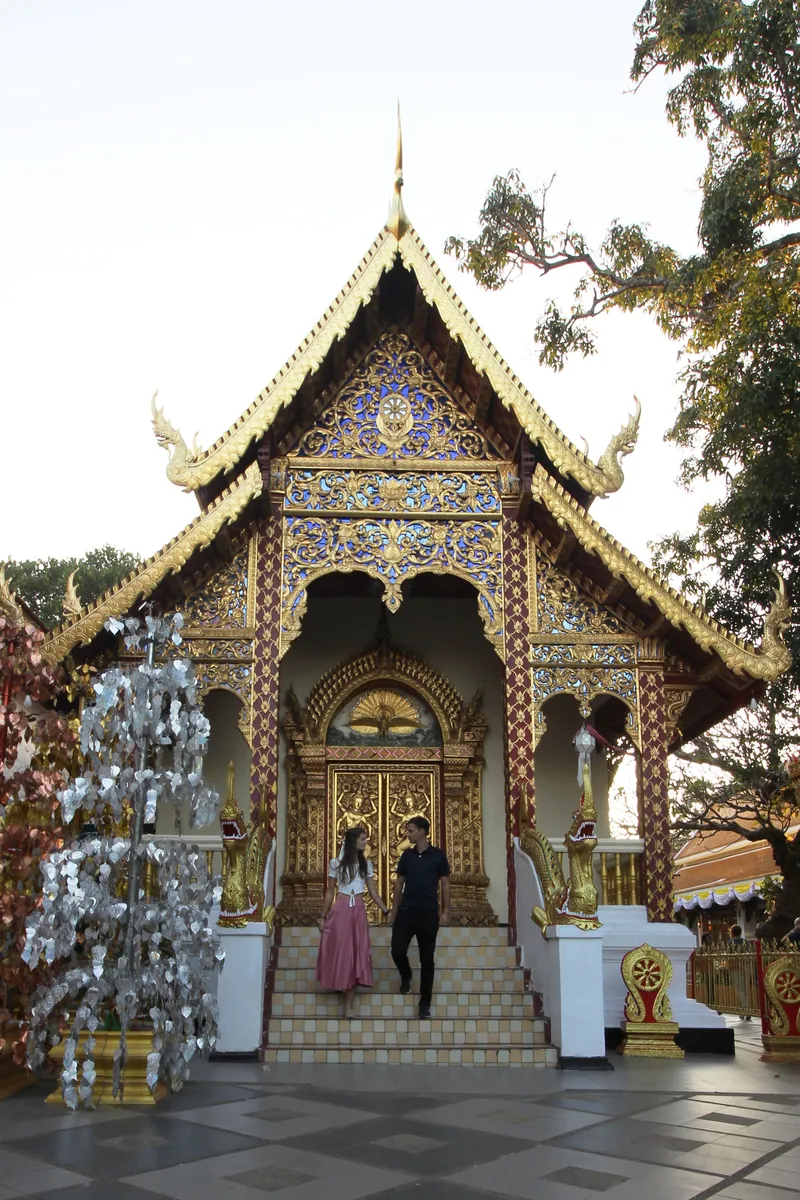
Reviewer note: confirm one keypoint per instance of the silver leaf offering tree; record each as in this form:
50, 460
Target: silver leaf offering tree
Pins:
128, 956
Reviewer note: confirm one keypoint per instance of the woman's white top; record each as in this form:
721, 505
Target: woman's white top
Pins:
356, 886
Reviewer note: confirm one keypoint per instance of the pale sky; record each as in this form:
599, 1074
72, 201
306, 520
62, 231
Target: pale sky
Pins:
187, 185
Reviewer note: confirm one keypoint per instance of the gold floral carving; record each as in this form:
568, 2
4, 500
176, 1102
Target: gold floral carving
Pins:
767, 663
221, 602
169, 560
648, 1025
392, 551
393, 408
229, 676
191, 468
382, 711
564, 610
676, 700
584, 670
392, 493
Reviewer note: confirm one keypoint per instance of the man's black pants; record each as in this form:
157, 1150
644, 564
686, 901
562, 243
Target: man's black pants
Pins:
422, 924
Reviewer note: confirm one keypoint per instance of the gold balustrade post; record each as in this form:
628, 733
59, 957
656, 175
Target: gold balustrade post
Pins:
618, 884
603, 877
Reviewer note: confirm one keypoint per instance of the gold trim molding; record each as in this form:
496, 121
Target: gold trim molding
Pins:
392, 551
169, 560
767, 663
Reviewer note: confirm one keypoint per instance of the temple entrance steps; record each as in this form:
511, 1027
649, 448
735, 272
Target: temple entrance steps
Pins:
482, 1011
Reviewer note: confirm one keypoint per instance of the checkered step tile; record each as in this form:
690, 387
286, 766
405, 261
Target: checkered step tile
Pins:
443, 1056
381, 935
302, 957
381, 1005
482, 1012
398, 1032
469, 981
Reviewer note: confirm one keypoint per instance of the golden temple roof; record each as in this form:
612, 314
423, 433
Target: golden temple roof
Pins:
192, 468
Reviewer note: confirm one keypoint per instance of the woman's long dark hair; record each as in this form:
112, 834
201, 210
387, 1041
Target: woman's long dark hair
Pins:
353, 862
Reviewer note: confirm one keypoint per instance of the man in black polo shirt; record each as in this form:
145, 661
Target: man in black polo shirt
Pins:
415, 908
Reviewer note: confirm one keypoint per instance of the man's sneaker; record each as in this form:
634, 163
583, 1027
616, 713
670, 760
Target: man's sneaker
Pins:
405, 987
424, 1011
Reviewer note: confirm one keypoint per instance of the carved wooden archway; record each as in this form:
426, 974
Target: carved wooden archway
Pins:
463, 730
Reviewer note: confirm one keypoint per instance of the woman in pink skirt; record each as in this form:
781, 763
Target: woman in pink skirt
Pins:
344, 961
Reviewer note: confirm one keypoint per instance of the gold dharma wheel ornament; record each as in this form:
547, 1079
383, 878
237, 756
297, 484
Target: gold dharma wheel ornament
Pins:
395, 419
648, 974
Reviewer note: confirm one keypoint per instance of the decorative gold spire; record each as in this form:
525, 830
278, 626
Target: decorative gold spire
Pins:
72, 605
398, 222
9, 608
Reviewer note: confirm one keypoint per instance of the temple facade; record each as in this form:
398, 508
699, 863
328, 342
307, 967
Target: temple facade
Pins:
398, 601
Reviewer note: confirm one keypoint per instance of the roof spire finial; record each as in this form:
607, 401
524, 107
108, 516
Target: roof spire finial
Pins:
398, 222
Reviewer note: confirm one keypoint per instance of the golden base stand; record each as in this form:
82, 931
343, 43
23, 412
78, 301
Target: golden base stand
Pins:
134, 1089
13, 1077
650, 1039
780, 1049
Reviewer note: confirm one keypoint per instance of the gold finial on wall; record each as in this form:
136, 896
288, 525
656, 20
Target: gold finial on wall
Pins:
71, 604
398, 222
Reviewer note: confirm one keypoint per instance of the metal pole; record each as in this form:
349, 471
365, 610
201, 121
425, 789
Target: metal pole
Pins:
137, 826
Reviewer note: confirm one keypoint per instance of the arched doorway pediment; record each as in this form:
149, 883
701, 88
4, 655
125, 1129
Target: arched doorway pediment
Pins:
394, 666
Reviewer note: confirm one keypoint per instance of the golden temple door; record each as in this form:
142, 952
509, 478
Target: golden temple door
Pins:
381, 799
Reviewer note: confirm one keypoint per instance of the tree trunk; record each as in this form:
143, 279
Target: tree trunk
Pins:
787, 903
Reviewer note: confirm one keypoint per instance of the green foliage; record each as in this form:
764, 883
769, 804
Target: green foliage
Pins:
41, 583
736, 779
734, 306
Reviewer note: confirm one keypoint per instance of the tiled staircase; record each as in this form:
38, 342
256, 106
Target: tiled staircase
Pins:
482, 1013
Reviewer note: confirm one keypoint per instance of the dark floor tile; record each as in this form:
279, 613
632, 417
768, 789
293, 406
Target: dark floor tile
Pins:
115, 1149
387, 1104
612, 1104
202, 1095
271, 1179
438, 1189
396, 1144
669, 1141
638, 1141
589, 1180
730, 1119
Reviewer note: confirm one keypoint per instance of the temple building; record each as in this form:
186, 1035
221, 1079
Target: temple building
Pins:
398, 600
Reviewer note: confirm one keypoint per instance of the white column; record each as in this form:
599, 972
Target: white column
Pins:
573, 995
240, 991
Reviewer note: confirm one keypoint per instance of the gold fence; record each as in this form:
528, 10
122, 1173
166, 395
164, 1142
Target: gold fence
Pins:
729, 978
725, 978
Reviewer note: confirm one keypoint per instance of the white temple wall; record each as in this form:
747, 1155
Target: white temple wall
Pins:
556, 772
225, 744
448, 635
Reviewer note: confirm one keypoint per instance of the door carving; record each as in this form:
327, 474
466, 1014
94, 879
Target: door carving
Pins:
381, 802
381, 738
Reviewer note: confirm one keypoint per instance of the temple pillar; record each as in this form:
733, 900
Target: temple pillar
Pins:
266, 667
653, 780
517, 691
